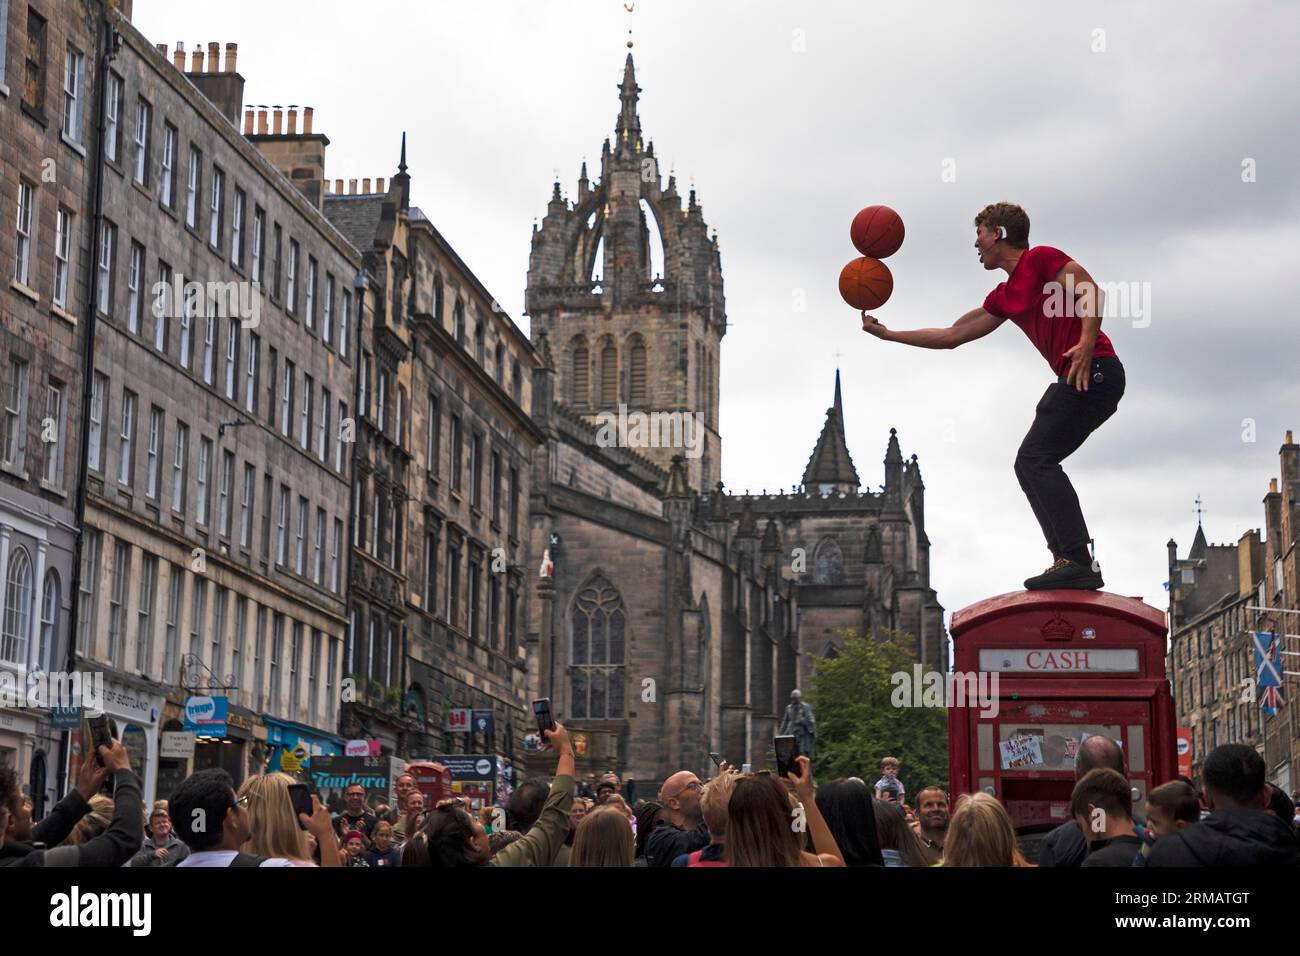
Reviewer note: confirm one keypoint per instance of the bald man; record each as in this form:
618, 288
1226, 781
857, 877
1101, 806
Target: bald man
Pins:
681, 828
1065, 845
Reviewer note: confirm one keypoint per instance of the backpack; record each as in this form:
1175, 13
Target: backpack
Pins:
246, 860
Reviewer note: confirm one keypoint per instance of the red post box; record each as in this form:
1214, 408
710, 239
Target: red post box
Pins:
1068, 664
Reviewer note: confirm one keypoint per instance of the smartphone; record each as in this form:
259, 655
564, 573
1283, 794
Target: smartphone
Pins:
787, 749
300, 797
716, 758
101, 733
542, 711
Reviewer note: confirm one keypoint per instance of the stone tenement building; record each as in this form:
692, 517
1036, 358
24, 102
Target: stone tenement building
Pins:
658, 574
1214, 596
48, 59
215, 491
444, 441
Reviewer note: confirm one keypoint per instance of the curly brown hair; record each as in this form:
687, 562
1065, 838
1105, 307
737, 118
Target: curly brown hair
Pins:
1013, 219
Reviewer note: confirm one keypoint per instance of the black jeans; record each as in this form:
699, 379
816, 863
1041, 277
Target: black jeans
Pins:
1063, 418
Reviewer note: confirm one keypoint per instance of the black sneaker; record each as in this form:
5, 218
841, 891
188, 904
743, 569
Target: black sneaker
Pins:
1065, 573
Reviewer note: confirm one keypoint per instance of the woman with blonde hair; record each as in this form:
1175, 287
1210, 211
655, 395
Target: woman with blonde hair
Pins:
980, 834
94, 823
275, 827
760, 823
604, 838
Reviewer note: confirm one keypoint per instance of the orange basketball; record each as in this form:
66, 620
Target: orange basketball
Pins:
877, 231
866, 283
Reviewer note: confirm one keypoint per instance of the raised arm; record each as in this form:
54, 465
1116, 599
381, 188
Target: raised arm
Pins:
975, 324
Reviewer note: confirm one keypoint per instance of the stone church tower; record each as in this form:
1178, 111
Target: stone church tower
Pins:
673, 619
627, 285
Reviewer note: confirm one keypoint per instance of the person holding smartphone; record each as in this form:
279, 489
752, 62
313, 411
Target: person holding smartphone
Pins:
763, 822
23, 843
453, 837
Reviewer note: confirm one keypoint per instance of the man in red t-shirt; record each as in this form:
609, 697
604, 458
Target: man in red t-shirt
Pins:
1057, 305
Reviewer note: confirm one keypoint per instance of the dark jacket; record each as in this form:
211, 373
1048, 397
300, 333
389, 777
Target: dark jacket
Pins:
1230, 837
113, 847
373, 857
176, 851
1117, 851
1064, 846
668, 841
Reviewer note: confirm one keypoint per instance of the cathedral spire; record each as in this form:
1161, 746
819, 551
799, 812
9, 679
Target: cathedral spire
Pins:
629, 124
831, 467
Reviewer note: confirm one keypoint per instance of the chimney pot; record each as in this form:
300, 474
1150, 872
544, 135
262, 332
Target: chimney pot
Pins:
196, 60
178, 58
261, 122
307, 112
365, 185
379, 185
1272, 486
232, 51
1288, 437
214, 57
162, 48
352, 187
248, 122
277, 121
338, 187
292, 128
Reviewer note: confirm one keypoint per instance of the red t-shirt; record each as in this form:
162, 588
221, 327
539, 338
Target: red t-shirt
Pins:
1023, 300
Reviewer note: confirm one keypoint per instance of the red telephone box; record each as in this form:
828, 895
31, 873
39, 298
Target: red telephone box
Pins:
1069, 664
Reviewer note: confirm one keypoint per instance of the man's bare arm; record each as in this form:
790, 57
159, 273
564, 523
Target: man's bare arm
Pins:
975, 324
1087, 306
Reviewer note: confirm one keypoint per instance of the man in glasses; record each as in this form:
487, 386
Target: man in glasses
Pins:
681, 828
214, 823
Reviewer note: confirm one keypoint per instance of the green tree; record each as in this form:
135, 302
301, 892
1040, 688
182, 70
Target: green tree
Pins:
858, 723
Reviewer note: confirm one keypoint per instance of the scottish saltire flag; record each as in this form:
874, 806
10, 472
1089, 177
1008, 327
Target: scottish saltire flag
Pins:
1268, 670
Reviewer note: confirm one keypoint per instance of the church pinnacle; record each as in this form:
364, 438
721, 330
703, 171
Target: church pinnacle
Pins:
831, 468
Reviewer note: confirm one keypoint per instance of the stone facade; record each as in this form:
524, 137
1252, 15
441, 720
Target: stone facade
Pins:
217, 491
442, 484
43, 308
677, 618
1216, 596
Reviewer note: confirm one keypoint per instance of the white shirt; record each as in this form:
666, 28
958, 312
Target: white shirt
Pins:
224, 858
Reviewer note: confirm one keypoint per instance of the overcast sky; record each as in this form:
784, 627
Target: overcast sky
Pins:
1121, 128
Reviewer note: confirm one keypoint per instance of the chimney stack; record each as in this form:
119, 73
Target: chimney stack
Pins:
162, 48
196, 60
232, 51
306, 120
178, 58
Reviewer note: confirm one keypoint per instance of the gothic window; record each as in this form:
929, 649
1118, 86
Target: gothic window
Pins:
458, 322
828, 565
608, 375
581, 378
437, 299
636, 367
596, 652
